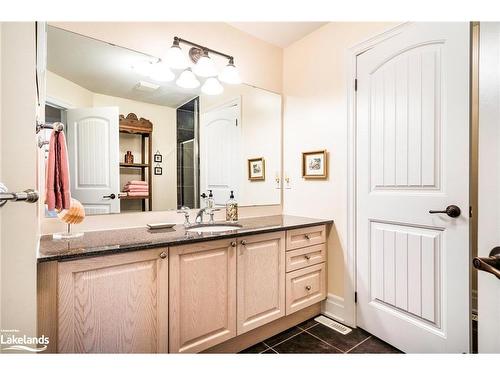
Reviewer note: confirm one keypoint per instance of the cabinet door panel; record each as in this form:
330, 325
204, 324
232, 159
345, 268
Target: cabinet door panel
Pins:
202, 295
261, 280
114, 304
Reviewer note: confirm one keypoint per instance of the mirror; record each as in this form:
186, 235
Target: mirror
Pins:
137, 143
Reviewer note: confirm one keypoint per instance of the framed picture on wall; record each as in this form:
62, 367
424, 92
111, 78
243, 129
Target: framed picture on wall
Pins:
315, 164
158, 171
256, 169
157, 157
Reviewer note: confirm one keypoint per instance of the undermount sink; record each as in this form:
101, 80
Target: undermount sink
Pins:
211, 228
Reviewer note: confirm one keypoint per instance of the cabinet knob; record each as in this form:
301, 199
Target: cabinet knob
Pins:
163, 255
307, 257
308, 287
233, 244
307, 236
243, 242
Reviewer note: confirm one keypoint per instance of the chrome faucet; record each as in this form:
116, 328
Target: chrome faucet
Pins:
209, 211
185, 210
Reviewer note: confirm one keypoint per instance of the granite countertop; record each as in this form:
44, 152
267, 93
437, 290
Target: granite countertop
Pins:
131, 239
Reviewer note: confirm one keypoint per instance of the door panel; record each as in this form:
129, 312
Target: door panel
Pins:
220, 141
489, 184
202, 295
93, 149
92, 291
413, 156
261, 280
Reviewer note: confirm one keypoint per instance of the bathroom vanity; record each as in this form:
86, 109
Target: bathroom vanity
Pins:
176, 290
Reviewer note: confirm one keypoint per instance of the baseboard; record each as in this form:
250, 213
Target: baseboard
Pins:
333, 307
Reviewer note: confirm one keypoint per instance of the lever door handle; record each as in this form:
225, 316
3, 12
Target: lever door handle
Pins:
489, 264
451, 211
110, 196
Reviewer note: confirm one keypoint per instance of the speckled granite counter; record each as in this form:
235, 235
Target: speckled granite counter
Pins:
131, 239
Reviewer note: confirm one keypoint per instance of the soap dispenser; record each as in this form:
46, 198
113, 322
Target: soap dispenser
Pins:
231, 209
210, 200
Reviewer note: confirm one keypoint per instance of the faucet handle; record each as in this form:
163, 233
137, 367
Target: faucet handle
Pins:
183, 210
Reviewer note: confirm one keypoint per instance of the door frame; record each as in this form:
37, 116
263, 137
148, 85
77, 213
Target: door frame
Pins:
350, 253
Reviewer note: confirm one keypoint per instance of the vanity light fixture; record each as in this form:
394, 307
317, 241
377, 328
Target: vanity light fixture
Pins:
230, 74
205, 66
175, 58
212, 86
187, 80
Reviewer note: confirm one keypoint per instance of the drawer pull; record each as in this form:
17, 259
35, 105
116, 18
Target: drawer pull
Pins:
308, 288
307, 236
307, 257
243, 242
233, 244
163, 255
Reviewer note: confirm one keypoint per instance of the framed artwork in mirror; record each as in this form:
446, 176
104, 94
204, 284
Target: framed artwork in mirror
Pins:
158, 157
158, 171
256, 169
315, 164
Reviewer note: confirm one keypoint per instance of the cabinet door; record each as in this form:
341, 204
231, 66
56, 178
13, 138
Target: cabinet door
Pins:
114, 304
261, 280
202, 295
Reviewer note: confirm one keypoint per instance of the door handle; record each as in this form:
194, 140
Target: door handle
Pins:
489, 264
451, 211
110, 196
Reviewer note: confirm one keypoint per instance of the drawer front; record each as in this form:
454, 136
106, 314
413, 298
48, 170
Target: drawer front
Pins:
297, 238
305, 257
305, 287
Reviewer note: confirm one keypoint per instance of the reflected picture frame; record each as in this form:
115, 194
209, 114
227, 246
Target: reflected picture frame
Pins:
257, 169
315, 164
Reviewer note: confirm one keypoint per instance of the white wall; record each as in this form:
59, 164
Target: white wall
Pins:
18, 157
315, 107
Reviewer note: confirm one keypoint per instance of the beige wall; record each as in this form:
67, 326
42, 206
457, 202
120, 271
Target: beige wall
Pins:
18, 157
260, 63
315, 107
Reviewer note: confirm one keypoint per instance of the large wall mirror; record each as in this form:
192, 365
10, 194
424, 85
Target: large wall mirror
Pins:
125, 125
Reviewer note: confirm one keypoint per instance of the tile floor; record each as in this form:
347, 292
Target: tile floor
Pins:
313, 337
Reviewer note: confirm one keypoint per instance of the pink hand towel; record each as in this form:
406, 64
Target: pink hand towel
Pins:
134, 188
138, 193
137, 182
57, 188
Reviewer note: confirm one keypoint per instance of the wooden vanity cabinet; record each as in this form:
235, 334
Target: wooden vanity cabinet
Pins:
114, 304
261, 280
202, 295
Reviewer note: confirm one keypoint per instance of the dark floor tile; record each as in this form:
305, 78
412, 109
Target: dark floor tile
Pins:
282, 336
340, 341
269, 351
257, 348
374, 345
307, 324
304, 343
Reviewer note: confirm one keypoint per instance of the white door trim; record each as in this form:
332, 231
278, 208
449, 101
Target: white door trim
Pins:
350, 256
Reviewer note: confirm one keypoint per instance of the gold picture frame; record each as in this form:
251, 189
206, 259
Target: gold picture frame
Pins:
256, 169
315, 164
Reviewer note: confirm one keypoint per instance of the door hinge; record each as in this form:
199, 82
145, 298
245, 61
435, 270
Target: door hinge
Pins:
355, 84
355, 297
236, 121
470, 211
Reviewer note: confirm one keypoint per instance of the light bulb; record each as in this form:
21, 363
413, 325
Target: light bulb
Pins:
230, 74
161, 72
187, 80
212, 86
205, 66
175, 57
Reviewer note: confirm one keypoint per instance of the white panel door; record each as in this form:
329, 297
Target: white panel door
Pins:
489, 184
412, 157
220, 142
93, 148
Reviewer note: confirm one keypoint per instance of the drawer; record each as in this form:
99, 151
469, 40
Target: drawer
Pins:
307, 256
297, 238
305, 287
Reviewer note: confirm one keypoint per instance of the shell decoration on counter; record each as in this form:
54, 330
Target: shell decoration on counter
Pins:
74, 215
